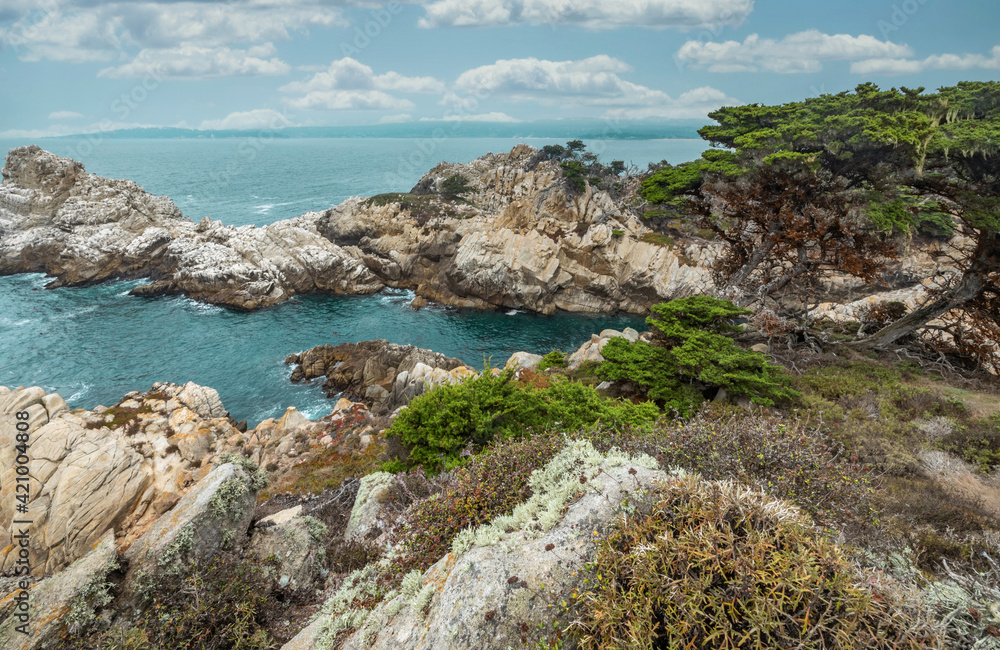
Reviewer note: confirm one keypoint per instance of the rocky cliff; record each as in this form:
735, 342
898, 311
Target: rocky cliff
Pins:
56, 218
521, 239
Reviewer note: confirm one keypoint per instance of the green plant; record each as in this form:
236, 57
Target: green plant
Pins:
450, 419
216, 605
554, 359
692, 354
454, 187
712, 564
617, 234
657, 239
574, 173
489, 485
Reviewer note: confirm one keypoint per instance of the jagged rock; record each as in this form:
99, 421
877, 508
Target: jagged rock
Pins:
383, 375
81, 229
93, 472
504, 574
523, 360
57, 602
214, 514
368, 505
526, 243
202, 400
293, 543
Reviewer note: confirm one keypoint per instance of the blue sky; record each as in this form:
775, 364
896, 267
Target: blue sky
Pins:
71, 66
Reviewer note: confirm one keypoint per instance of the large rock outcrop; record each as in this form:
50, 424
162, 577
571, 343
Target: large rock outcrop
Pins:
115, 469
59, 603
383, 375
523, 240
500, 578
56, 218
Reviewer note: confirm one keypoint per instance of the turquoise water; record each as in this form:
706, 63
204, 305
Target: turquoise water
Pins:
92, 345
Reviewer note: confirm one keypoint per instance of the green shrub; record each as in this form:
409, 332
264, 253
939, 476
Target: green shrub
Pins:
617, 233
554, 359
454, 187
713, 565
574, 173
691, 355
450, 419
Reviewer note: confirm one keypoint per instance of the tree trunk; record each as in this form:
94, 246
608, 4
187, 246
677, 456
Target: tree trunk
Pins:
982, 263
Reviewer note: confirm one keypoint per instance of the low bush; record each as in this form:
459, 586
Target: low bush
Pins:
712, 564
221, 604
450, 420
489, 485
762, 452
692, 356
554, 359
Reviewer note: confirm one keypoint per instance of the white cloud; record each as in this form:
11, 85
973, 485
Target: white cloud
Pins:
91, 31
795, 53
60, 116
889, 66
348, 84
261, 118
399, 118
192, 62
594, 81
480, 117
594, 14
696, 103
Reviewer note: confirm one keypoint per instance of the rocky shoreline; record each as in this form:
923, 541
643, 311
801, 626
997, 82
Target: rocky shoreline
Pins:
521, 240
127, 481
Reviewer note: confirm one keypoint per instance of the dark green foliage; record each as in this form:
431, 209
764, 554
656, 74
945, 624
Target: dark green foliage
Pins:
670, 183
575, 174
691, 354
454, 187
442, 423
554, 359
652, 368
553, 151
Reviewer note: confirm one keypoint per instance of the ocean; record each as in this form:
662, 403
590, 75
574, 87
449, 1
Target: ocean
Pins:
92, 345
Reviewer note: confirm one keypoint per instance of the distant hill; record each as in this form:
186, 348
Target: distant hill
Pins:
569, 129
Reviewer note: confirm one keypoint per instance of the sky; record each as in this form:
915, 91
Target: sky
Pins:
76, 66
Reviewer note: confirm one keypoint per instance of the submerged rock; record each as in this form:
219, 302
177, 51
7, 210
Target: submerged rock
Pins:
383, 375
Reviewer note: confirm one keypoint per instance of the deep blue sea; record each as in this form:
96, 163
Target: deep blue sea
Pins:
95, 344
